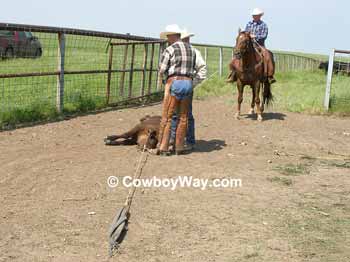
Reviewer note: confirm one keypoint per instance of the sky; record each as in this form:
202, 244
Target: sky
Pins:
312, 26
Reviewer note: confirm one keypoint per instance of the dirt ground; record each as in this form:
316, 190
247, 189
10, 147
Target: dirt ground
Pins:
294, 203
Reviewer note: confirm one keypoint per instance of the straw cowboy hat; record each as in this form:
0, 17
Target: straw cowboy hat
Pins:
170, 30
257, 11
185, 34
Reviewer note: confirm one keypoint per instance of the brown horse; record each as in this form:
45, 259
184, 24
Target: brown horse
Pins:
249, 70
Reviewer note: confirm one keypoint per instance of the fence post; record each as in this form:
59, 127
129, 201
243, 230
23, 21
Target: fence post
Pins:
329, 80
161, 49
60, 77
131, 75
220, 61
144, 67
151, 70
109, 75
122, 77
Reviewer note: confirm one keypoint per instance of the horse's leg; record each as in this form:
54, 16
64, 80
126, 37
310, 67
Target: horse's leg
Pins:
130, 134
252, 105
256, 86
262, 107
240, 88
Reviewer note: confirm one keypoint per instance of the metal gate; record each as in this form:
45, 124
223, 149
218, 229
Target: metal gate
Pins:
337, 95
133, 70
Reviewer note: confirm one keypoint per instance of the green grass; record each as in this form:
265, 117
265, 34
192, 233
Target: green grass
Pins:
214, 86
304, 92
293, 169
34, 112
294, 92
281, 180
300, 91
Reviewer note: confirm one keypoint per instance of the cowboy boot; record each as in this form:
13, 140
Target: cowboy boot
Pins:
182, 126
270, 66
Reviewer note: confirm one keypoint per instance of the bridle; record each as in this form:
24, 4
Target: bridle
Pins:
248, 43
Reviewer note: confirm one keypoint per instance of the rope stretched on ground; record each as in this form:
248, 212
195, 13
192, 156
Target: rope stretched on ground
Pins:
119, 225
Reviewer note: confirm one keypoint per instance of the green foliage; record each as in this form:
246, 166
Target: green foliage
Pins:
34, 112
214, 86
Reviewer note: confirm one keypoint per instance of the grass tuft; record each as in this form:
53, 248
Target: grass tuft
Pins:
293, 170
281, 180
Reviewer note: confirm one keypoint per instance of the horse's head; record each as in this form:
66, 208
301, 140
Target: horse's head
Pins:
243, 42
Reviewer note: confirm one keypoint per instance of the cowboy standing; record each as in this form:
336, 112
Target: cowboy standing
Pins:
178, 64
200, 75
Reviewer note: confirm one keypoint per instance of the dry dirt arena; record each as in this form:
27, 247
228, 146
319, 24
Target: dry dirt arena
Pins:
294, 203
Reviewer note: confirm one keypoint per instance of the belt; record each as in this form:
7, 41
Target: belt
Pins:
179, 78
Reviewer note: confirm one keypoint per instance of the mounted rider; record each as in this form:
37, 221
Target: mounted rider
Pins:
258, 32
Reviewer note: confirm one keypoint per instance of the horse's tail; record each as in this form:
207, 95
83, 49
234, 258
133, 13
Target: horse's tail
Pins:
268, 97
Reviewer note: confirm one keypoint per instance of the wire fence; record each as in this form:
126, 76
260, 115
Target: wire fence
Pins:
69, 70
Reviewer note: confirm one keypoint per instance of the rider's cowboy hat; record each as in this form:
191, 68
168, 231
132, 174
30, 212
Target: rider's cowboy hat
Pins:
186, 34
170, 30
257, 11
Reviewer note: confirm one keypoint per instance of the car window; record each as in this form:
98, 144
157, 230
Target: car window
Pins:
6, 33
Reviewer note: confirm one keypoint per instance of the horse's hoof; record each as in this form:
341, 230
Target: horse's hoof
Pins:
237, 116
260, 119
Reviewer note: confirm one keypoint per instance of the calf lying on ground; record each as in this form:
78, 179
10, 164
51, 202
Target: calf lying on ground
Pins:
144, 133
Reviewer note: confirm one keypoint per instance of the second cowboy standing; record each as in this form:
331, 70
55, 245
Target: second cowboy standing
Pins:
178, 65
200, 75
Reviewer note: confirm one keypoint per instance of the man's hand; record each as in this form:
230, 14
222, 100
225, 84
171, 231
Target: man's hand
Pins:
252, 36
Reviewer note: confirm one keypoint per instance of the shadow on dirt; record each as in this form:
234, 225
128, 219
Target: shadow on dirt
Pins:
203, 146
269, 116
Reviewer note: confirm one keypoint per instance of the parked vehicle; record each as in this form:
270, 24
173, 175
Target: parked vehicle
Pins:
19, 44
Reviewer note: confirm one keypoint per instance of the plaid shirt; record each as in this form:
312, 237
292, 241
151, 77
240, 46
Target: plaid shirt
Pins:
259, 29
178, 59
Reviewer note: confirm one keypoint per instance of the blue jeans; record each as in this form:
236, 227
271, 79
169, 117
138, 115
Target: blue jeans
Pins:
190, 135
181, 89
